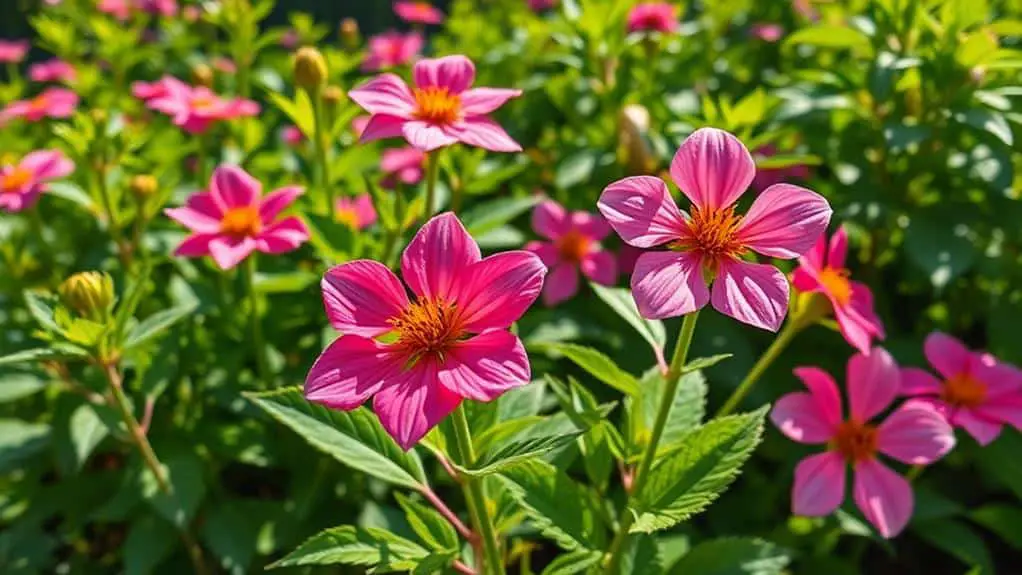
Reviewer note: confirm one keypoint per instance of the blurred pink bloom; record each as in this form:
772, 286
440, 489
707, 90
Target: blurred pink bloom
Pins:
225, 65
151, 90
541, 5
574, 244
766, 177
975, 391
402, 165
653, 17
13, 51
391, 49
232, 220
767, 31
291, 136
442, 109
53, 70
290, 39
191, 13
418, 12
22, 184
822, 270
52, 103
357, 213
805, 9
123, 9
713, 169
195, 108
450, 342
165, 8
914, 434
120, 9
358, 125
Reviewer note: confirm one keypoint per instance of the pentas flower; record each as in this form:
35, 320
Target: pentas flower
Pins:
975, 391
21, 184
653, 17
357, 213
391, 49
713, 169
441, 109
51, 103
915, 434
195, 108
53, 70
420, 356
403, 165
574, 244
13, 51
766, 177
418, 12
232, 220
822, 270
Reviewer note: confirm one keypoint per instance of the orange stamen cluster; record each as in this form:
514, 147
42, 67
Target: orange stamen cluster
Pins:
964, 390
242, 221
429, 326
203, 102
714, 234
855, 441
573, 246
15, 179
835, 281
39, 103
436, 105
348, 217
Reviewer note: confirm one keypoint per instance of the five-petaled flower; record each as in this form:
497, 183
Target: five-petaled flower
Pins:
653, 17
52, 70
50, 103
574, 244
442, 109
193, 108
357, 213
231, 220
421, 356
13, 51
915, 434
391, 49
713, 169
418, 12
22, 183
975, 391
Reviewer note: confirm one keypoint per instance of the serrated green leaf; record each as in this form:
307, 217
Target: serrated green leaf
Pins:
434, 563
732, 556
429, 525
958, 540
687, 411
493, 214
598, 365
562, 509
41, 308
622, 302
574, 562
156, 324
517, 451
355, 438
349, 545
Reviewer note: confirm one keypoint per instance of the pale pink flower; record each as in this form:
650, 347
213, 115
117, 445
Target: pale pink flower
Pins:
357, 213
766, 177
448, 343
13, 51
191, 13
713, 169
822, 270
225, 65
391, 49
653, 17
51, 103
53, 70
120, 9
232, 219
975, 391
418, 12
23, 183
574, 244
442, 109
195, 108
403, 165
292, 136
767, 31
915, 434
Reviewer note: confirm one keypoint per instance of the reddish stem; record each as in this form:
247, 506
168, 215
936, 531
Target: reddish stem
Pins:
449, 515
462, 568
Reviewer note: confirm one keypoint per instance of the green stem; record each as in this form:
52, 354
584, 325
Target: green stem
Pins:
134, 429
432, 171
788, 332
914, 472
490, 561
203, 161
108, 205
257, 327
321, 152
673, 377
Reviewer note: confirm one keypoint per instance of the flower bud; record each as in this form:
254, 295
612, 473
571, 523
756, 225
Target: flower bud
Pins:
91, 294
332, 96
634, 146
202, 75
349, 33
98, 116
310, 69
143, 186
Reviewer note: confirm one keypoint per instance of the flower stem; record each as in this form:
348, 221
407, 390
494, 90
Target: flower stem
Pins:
257, 327
432, 171
489, 560
321, 152
782, 340
914, 472
449, 515
134, 429
671, 380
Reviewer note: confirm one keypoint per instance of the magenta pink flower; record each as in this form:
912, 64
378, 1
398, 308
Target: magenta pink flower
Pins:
447, 343
767, 31
418, 12
442, 109
22, 184
357, 213
51, 103
292, 136
359, 125
975, 391
915, 434
53, 70
653, 17
290, 39
403, 165
574, 244
13, 51
120, 9
822, 270
232, 220
766, 177
146, 91
165, 8
195, 108
541, 5
713, 169
391, 49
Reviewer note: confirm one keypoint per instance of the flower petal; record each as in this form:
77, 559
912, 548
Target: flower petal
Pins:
561, 284
798, 416
276, 201
547, 252
668, 284
819, 485
483, 132
983, 430
412, 406
1005, 408
361, 297
837, 251
283, 236
438, 256
883, 496
713, 168
425, 136
813, 260
550, 220
756, 294
915, 381
857, 320
233, 187
805, 280
484, 367
785, 221
496, 291
350, 370
228, 251
592, 226
601, 267
385, 94
916, 434
873, 382
479, 101
382, 126
456, 73
195, 245
946, 354
642, 211
47, 164
200, 214
824, 391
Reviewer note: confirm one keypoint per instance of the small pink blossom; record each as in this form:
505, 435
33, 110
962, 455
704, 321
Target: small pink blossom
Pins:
13, 51
541, 5
120, 9
767, 31
822, 270
146, 91
195, 108
166, 8
713, 169
23, 183
359, 124
574, 245
357, 213
975, 391
53, 70
391, 49
914, 434
225, 65
442, 109
653, 17
418, 12
447, 343
403, 165
290, 39
51, 103
232, 220
191, 13
766, 177
292, 136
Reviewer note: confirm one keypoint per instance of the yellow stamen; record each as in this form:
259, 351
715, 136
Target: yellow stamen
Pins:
573, 246
14, 180
428, 327
242, 221
436, 105
855, 441
714, 234
835, 281
964, 390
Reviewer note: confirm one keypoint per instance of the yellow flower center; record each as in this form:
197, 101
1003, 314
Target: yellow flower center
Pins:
39, 103
429, 326
422, 9
203, 102
14, 180
242, 221
964, 390
573, 246
436, 105
855, 441
835, 281
714, 235
348, 217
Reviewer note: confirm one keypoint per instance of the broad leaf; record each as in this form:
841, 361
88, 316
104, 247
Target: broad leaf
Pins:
149, 541
687, 411
493, 214
156, 324
958, 540
517, 451
87, 430
598, 365
20, 440
829, 36
18, 385
1004, 520
56, 352
642, 556
41, 308
429, 525
349, 545
732, 556
622, 302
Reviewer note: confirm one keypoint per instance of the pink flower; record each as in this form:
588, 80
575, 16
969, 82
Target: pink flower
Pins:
231, 220
541, 5
13, 51
292, 136
574, 245
120, 9
165, 8
225, 65
195, 108
766, 177
22, 184
822, 270
713, 169
391, 49
357, 213
448, 343
359, 124
767, 31
975, 391
402, 165
653, 17
442, 109
146, 91
418, 12
915, 434
53, 70
51, 103
290, 39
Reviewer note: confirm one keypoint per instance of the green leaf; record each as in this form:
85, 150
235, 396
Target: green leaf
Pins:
156, 324
185, 472
1003, 520
622, 302
41, 308
493, 214
231, 534
429, 525
642, 556
149, 541
829, 36
988, 122
598, 365
87, 431
349, 545
489, 180
355, 438
933, 244
732, 556
289, 282
561, 509
701, 363
509, 454
72, 193
574, 562
15, 386
299, 111
434, 563
687, 411
688, 480
43, 354
575, 169
958, 540
20, 440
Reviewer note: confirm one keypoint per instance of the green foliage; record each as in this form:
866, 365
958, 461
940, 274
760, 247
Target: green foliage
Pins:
368, 547
733, 556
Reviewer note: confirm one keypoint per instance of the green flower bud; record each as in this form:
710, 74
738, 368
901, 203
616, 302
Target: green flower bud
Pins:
91, 294
310, 69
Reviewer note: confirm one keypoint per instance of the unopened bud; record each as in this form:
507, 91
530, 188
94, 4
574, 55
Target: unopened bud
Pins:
91, 294
349, 33
633, 139
310, 69
144, 186
98, 115
332, 96
202, 75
